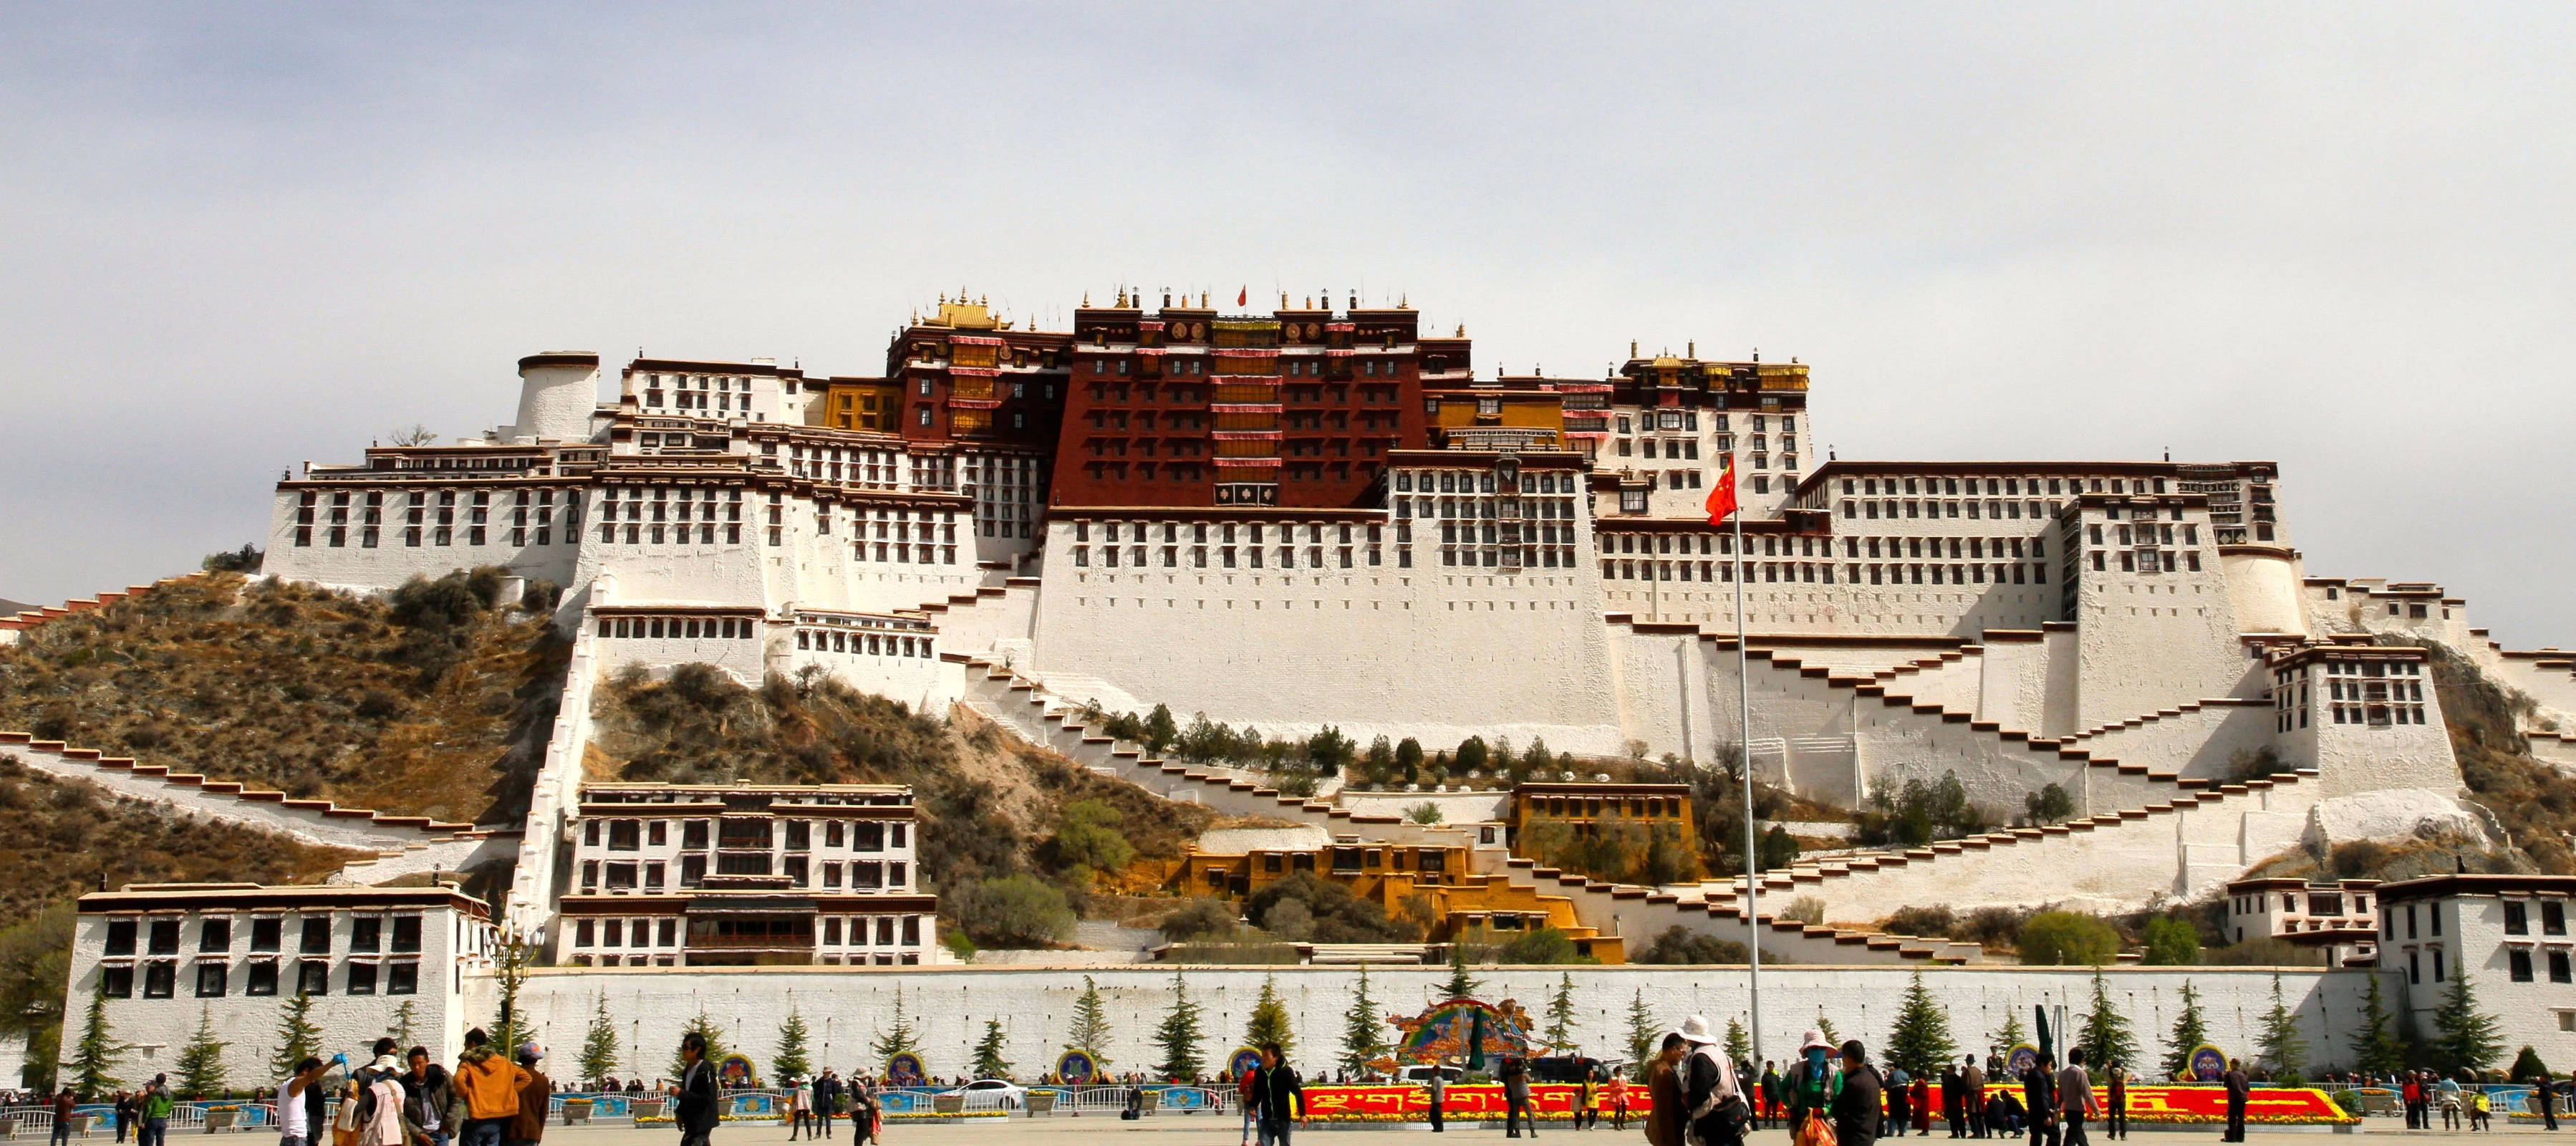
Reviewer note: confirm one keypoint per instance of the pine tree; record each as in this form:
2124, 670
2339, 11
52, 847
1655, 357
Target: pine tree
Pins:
1826, 1026
790, 1063
1270, 1020
2376, 1049
297, 1037
1179, 1035
1461, 985
705, 1029
93, 1062
1921, 1041
2284, 1053
989, 1062
406, 1019
2464, 1037
1739, 1045
2010, 1035
2190, 1030
1363, 1036
898, 1038
2105, 1036
1090, 1023
1644, 1035
201, 1062
599, 1045
1560, 1016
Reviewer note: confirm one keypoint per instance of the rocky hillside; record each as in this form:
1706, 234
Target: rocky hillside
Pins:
431, 703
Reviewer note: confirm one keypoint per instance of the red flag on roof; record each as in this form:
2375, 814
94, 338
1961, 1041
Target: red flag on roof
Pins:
1243, 296
1721, 501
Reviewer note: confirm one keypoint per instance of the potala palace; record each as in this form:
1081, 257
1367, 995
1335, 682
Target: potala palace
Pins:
1324, 516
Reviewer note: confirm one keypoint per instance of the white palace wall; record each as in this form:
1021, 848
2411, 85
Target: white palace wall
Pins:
948, 1007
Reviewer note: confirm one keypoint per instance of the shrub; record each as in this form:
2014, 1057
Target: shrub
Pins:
1930, 922
2066, 938
1545, 945
1339, 916
1200, 918
1990, 926
1680, 945
1090, 837
1425, 812
1919, 813
1013, 911
2172, 942
247, 559
1804, 909
2049, 805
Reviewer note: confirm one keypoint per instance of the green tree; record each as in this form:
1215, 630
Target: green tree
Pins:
94, 1058
989, 1062
2171, 942
1160, 729
2009, 1035
2376, 1047
791, 1061
1090, 839
1826, 1026
1380, 762
1270, 1019
201, 1062
1016, 910
1739, 1045
2527, 1066
2190, 1029
2049, 805
1921, 1041
898, 1037
35, 966
1560, 1016
2105, 1034
1363, 1036
1461, 985
1408, 760
297, 1037
2283, 1051
1644, 1035
1779, 848
1472, 754
599, 1045
1179, 1034
2066, 938
705, 1028
2464, 1037
1090, 1031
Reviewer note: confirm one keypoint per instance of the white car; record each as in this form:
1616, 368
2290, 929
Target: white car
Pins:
993, 1094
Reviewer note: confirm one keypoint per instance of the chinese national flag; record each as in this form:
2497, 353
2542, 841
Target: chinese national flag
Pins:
1721, 501
1243, 296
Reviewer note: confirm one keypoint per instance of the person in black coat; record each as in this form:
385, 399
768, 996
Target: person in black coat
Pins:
2039, 1101
1277, 1097
1856, 1109
698, 1112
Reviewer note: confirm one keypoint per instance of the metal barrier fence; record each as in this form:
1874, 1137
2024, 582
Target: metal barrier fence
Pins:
38, 1121
2506, 1098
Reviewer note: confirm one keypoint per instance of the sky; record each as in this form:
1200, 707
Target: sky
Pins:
2337, 236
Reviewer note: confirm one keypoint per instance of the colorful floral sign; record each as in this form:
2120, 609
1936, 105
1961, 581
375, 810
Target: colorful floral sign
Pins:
2166, 1104
1443, 1032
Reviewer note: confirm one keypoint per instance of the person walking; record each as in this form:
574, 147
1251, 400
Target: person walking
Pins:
1516, 1098
1278, 1097
1812, 1082
124, 1115
64, 1103
427, 1094
1618, 1092
2446, 1098
528, 1126
1437, 1087
697, 1112
156, 1104
2075, 1099
2238, 1089
1973, 1078
1954, 1099
799, 1112
490, 1087
1766, 1095
1921, 1102
825, 1100
1900, 1099
1666, 1097
1856, 1108
2039, 1099
2115, 1112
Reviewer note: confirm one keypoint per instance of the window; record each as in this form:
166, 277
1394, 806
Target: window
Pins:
2517, 961
313, 977
2558, 970
366, 933
212, 979
160, 979
362, 978
262, 979
317, 935
165, 937
406, 933
120, 936
116, 982
2553, 918
2517, 918
215, 935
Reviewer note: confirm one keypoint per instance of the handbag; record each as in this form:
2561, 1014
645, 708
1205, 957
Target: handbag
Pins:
1817, 1131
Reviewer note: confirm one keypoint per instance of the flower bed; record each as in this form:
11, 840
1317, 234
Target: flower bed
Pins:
2171, 1105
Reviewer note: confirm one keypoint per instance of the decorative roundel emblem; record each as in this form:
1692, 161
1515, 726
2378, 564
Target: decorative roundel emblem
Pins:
1242, 1060
2021, 1058
2208, 1064
1077, 1067
1313, 331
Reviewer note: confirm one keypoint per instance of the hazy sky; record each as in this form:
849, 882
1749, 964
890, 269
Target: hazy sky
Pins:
2338, 236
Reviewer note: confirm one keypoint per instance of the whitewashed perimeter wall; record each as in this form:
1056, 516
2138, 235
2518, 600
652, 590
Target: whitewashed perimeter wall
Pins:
1433, 653
844, 1009
1839, 608
354, 568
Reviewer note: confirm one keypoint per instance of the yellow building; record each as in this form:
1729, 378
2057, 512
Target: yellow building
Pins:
1433, 884
1587, 808
858, 404
1496, 418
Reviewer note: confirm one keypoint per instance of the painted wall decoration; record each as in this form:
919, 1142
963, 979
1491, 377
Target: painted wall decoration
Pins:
1461, 1029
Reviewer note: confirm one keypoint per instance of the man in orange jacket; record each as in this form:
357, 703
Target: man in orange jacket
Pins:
490, 1087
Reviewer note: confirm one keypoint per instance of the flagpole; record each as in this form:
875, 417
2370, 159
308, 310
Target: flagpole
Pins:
1744, 745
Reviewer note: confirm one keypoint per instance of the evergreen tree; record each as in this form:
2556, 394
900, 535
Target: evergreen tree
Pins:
2376, 1049
2105, 1036
1179, 1035
1826, 1026
898, 1037
1644, 1035
1739, 1045
2283, 1051
405, 1025
2190, 1030
297, 1037
1560, 1016
989, 1062
1461, 985
1363, 1038
201, 1062
1921, 1041
599, 1045
706, 1029
93, 1061
2464, 1037
1270, 1020
1090, 1030
2010, 1035
791, 1062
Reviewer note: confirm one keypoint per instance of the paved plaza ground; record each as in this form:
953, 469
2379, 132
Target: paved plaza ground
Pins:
1208, 1130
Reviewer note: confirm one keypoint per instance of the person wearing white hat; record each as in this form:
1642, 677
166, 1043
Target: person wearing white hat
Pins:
1812, 1081
1718, 1109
